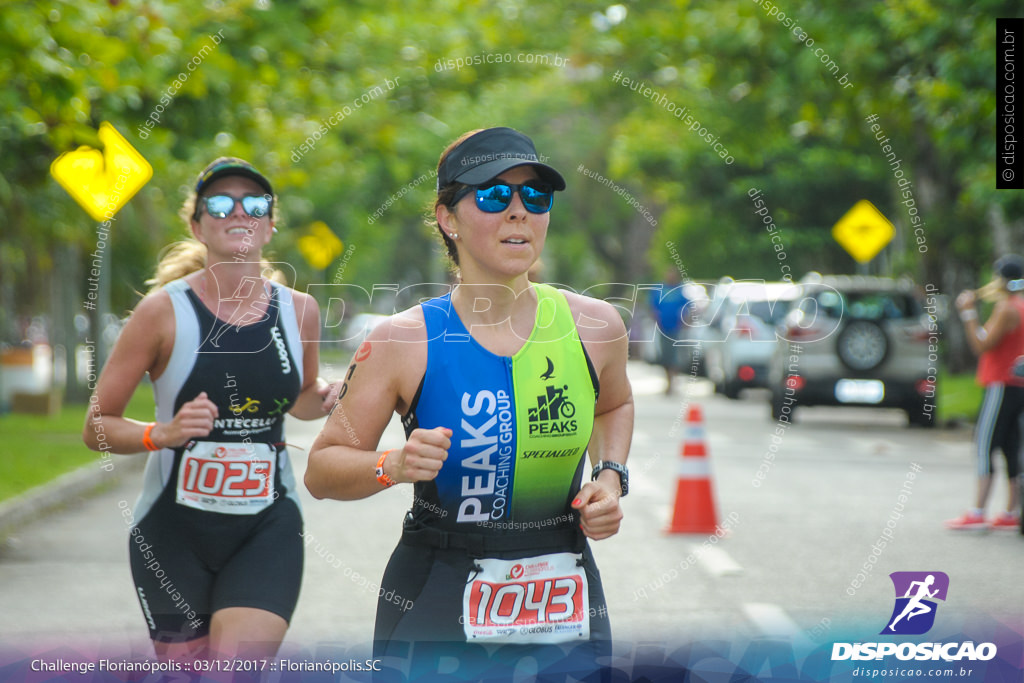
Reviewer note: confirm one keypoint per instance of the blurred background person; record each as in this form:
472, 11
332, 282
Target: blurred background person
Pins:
669, 306
999, 344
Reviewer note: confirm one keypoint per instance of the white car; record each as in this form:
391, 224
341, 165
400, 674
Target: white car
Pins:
740, 337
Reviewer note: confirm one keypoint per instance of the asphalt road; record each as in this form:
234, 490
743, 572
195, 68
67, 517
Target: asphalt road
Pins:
787, 567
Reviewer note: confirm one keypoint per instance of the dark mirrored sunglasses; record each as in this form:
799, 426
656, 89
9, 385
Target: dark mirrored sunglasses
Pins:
495, 198
221, 205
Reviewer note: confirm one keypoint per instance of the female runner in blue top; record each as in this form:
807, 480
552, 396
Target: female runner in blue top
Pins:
503, 387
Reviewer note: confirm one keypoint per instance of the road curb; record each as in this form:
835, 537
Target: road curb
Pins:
65, 489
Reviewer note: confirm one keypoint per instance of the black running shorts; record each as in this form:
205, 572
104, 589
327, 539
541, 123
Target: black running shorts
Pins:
187, 564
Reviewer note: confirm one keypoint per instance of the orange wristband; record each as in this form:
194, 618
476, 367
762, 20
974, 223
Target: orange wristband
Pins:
384, 479
147, 440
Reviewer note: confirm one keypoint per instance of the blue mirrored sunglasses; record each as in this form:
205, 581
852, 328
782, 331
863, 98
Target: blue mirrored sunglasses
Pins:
221, 205
495, 198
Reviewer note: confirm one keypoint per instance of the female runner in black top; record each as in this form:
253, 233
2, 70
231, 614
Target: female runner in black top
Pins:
215, 547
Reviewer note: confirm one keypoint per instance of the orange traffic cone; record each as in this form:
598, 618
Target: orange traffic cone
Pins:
694, 509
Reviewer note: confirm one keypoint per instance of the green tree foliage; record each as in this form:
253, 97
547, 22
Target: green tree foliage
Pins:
291, 86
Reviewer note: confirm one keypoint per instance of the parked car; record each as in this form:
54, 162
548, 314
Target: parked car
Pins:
855, 341
740, 336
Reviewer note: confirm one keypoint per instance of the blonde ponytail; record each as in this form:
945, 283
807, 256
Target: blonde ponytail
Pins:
176, 261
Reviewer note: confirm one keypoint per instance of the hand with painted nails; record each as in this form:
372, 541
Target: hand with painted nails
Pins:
600, 513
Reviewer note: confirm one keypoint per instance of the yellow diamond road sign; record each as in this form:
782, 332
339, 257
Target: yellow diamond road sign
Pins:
102, 181
863, 231
319, 246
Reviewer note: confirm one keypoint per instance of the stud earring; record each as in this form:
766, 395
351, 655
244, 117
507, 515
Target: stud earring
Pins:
454, 235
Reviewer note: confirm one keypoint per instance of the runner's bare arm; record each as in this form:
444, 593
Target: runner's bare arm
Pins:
144, 345
1004, 319
312, 402
382, 379
604, 335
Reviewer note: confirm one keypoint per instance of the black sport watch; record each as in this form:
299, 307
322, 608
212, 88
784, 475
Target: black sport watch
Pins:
610, 465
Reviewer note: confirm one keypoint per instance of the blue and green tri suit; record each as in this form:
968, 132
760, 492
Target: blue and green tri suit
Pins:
521, 426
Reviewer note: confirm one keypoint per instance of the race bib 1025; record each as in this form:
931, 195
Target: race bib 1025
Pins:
232, 478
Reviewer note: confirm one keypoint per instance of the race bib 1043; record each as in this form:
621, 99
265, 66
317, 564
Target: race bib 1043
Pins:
541, 599
232, 478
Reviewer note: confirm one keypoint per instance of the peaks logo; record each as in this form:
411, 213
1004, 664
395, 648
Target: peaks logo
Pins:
553, 414
916, 593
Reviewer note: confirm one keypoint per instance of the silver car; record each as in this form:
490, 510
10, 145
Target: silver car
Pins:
856, 341
740, 338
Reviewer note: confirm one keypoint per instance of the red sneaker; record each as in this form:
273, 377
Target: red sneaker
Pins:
969, 520
1007, 520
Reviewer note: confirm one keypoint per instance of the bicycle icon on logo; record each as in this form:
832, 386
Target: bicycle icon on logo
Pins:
250, 406
552, 406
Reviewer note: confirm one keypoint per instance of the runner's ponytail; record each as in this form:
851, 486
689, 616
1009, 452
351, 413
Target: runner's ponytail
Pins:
176, 261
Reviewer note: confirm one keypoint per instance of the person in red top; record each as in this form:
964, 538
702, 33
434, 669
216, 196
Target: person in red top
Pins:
999, 343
